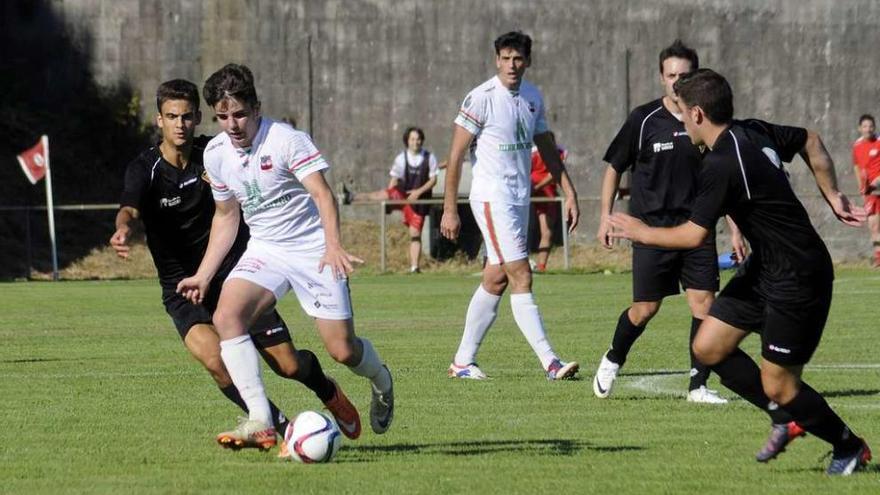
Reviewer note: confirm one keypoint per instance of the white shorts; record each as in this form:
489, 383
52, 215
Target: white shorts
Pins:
505, 229
278, 270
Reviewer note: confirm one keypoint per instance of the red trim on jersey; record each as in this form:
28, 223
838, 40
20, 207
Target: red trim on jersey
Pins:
492, 237
312, 157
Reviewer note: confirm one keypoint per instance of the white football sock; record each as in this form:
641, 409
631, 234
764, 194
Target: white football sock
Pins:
481, 314
371, 367
243, 363
528, 319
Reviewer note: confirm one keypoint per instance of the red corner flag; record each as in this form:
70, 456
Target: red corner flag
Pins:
35, 161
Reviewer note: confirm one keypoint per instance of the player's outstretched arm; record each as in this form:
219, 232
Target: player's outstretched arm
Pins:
335, 256
450, 224
685, 236
124, 219
224, 229
819, 160
550, 154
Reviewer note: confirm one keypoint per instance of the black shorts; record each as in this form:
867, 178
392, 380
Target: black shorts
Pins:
657, 273
269, 330
790, 328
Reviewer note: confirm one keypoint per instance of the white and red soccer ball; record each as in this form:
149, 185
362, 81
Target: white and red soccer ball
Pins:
312, 437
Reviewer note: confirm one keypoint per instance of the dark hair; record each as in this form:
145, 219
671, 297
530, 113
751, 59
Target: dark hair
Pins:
232, 81
679, 50
865, 117
516, 40
410, 130
177, 89
708, 90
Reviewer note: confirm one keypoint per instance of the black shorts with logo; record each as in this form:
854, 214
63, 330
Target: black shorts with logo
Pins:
269, 330
790, 325
658, 273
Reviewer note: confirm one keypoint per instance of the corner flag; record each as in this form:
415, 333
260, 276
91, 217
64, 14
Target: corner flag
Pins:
34, 163
35, 160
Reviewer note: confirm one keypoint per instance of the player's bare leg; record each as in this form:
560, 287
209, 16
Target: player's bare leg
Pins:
874, 228
415, 249
545, 243
700, 301
361, 358
240, 303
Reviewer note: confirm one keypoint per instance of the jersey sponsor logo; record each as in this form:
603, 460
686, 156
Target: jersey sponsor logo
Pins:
658, 147
169, 202
188, 182
773, 157
273, 331
782, 350
679, 133
522, 136
266, 162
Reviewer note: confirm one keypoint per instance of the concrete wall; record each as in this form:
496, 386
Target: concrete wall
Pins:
377, 66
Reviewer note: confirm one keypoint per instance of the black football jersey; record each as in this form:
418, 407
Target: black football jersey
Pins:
665, 164
177, 208
743, 176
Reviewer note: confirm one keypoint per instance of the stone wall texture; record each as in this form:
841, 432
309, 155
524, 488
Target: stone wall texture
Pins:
355, 73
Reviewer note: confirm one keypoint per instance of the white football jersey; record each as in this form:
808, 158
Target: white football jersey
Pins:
265, 179
503, 123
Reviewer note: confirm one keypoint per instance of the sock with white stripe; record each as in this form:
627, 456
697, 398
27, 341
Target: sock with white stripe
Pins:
243, 363
528, 319
481, 314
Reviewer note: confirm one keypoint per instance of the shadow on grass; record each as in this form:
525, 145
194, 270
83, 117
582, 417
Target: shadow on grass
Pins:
367, 453
32, 360
850, 393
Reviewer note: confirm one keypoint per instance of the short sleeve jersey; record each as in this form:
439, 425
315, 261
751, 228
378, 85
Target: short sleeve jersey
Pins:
265, 179
415, 161
664, 163
503, 123
743, 176
866, 156
176, 208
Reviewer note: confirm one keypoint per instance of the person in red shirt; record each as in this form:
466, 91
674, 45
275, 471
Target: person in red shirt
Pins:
547, 213
866, 160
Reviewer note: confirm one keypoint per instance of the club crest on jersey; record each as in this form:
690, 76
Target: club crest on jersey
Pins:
266, 162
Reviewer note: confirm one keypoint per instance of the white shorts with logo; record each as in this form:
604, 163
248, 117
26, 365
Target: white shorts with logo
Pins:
280, 271
505, 229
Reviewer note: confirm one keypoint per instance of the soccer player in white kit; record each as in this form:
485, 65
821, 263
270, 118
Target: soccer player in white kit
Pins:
504, 115
274, 174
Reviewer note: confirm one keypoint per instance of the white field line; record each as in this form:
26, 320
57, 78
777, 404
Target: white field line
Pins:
658, 383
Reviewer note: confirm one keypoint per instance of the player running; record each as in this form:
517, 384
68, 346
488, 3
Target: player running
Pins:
273, 175
866, 160
783, 291
665, 165
166, 190
504, 115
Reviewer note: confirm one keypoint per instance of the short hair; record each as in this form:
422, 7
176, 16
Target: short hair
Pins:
708, 90
177, 89
867, 116
516, 40
679, 50
410, 130
232, 81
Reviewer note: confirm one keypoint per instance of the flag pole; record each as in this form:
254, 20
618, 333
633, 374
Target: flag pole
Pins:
50, 209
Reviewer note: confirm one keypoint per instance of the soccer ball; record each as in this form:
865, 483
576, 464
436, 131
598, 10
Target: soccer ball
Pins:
312, 437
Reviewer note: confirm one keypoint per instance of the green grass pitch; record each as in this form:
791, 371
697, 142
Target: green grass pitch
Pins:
98, 395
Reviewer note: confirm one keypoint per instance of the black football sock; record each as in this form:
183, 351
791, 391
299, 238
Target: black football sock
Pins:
814, 415
312, 375
278, 417
625, 335
699, 371
740, 374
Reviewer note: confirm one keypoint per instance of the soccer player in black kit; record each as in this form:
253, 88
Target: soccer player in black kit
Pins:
665, 165
783, 290
165, 188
